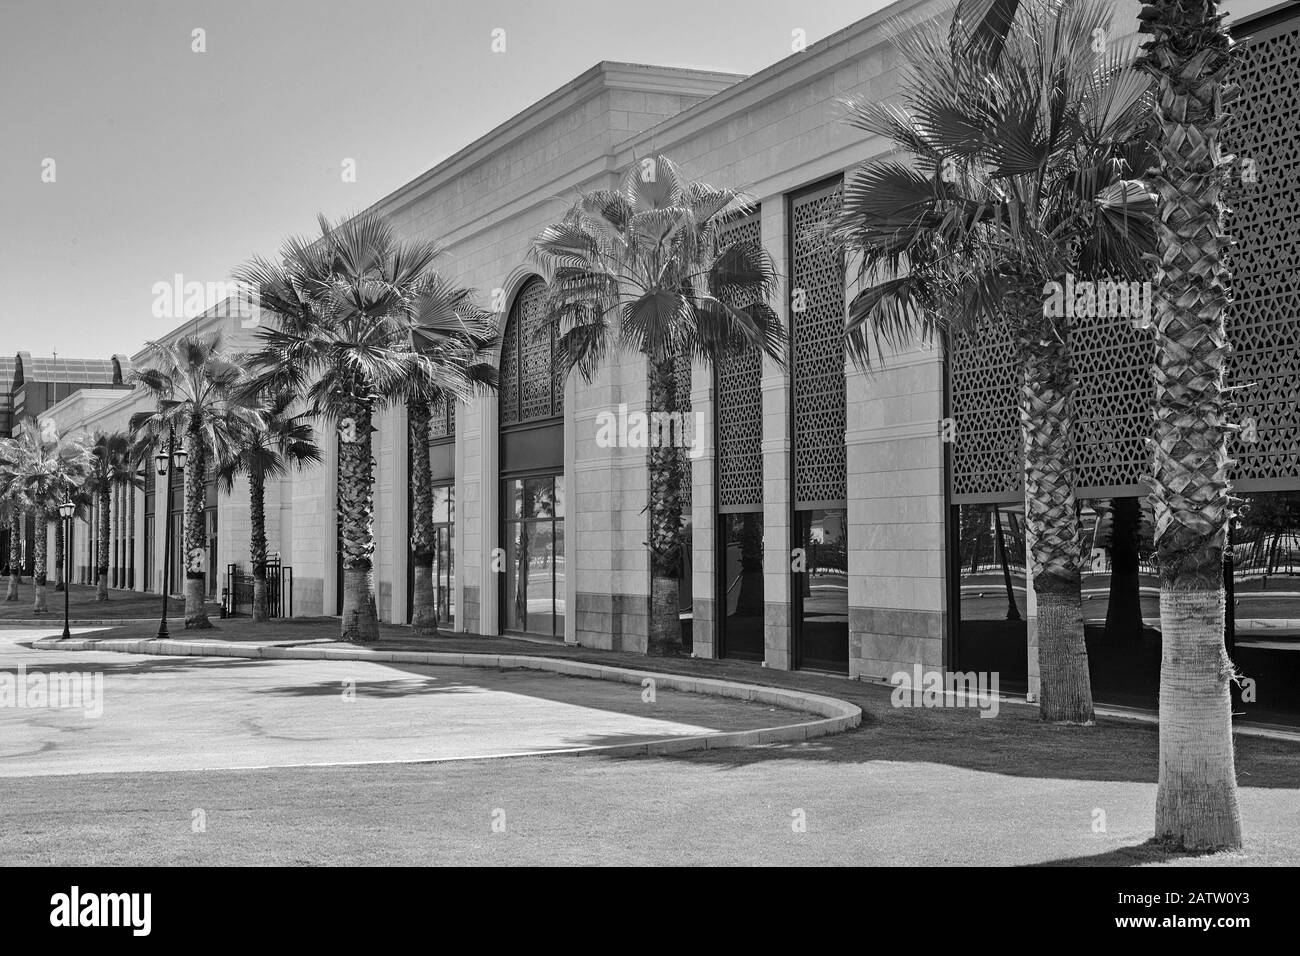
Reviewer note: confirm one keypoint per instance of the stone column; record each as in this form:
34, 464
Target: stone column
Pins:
777, 502
704, 533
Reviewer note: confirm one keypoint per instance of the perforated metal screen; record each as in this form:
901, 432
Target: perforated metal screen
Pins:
817, 351
740, 406
531, 388
1112, 359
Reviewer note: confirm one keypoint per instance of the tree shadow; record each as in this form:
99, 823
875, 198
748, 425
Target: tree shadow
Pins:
1150, 852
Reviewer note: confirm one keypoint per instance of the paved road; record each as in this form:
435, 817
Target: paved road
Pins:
187, 713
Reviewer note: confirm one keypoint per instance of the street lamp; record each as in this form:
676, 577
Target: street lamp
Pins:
178, 458
66, 511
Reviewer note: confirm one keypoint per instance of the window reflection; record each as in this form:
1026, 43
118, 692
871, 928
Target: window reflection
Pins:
824, 590
742, 585
535, 572
991, 581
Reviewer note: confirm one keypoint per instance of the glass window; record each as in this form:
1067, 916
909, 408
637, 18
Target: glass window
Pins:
990, 571
742, 586
535, 572
1120, 591
823, 593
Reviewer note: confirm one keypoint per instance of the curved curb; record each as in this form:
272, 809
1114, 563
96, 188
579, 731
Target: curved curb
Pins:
836, 715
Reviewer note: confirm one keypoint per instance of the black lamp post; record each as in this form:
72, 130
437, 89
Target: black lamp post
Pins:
178, 457
66, 511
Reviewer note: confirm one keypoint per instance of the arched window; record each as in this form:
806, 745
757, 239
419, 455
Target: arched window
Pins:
531, 386
531, 466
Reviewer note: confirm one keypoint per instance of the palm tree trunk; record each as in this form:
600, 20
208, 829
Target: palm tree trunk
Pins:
665, 508
257, 544
1046, 418
196, 542
1189, 55
424, 610
40, 542
58, 554
101, 549
130, 537
115, 537
356, 516
119, 545
15, 552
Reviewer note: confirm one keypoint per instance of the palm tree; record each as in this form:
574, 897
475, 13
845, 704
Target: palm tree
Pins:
640, 268
13, 510
1023, 152
108, 452
47, 470
344, 308
455, 340
1189, 54
282, 440
197, 391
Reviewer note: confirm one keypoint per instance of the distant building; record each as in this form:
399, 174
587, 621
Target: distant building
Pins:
29, 385
33, 384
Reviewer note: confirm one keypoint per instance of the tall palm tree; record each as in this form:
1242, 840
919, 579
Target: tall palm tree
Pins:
108, 452
1023, 156
197, 391
454, 340
640, 268
47, 470
14, 506
281, 441
1189, 54
344, 306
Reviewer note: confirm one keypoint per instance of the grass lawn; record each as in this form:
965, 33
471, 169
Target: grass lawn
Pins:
83, 605
910, 786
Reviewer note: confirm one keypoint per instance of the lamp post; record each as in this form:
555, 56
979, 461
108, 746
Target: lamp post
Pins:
66, 511
178, 457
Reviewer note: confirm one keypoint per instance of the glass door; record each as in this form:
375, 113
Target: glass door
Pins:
821, 593
741, 561
533, 597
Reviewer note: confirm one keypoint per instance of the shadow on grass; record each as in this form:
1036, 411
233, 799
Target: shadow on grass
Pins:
1140, 854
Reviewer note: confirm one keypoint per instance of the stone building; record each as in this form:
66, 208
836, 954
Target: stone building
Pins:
911, 547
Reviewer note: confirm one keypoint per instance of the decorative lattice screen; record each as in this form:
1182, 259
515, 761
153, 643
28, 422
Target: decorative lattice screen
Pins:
1112, 404
1264, 321
817, 351
531, 387
739, 414
986, 447
1112, 359
442, 419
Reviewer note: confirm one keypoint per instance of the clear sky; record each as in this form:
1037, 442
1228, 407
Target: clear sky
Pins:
171, 161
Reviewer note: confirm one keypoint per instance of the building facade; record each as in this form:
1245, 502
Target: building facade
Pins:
841, 521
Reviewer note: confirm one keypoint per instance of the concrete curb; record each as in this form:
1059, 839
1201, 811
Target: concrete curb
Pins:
836, 715
98, 622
